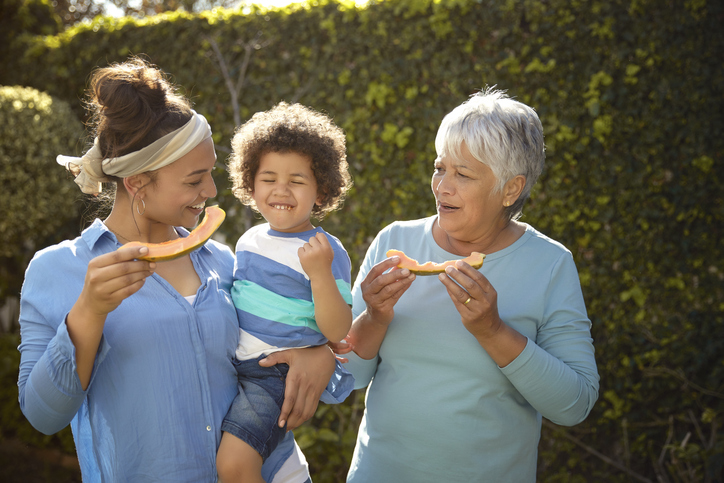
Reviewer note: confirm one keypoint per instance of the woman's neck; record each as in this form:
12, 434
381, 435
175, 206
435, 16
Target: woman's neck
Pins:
488, 242
129, 226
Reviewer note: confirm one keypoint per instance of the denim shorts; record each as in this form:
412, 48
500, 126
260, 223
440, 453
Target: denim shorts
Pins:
254, 414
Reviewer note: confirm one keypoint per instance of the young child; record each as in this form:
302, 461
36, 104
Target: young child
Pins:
291, 280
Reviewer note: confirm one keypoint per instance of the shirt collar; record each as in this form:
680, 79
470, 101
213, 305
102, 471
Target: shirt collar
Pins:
95, 232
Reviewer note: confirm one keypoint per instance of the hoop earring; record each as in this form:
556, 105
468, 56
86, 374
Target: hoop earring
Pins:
144, 208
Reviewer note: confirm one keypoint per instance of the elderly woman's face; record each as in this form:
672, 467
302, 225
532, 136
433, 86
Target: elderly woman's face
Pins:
467, 206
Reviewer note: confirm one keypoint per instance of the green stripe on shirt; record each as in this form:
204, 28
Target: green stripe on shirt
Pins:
258, 301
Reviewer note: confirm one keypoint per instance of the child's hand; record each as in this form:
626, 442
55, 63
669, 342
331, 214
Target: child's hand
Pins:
341, 347
316, 256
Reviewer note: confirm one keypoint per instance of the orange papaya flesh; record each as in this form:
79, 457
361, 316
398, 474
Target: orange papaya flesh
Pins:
475, 260
162, 252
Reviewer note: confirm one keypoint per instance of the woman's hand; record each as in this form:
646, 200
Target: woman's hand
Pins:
109, 280
477, 302
113, 277
310, 370
381, 290
475, 299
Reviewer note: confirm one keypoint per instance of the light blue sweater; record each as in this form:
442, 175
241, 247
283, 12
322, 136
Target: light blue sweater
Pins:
438, 409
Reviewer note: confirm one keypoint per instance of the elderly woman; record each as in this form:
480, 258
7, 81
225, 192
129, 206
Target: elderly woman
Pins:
461, 366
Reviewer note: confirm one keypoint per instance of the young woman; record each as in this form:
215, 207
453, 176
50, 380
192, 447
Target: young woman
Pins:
137, 356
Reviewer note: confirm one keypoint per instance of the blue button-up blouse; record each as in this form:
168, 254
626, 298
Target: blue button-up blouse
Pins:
163, 377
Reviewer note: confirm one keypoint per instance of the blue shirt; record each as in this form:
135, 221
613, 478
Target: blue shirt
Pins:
163, 377
438, 408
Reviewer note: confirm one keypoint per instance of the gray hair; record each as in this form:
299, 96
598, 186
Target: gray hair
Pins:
504, 134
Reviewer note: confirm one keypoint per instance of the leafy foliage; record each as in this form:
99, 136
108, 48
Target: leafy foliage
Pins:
70, 12
37, 208
631, 95
13, 423
23, 17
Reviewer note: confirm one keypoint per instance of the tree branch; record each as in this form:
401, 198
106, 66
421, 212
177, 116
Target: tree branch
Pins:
595, 453
664, 371
234, 91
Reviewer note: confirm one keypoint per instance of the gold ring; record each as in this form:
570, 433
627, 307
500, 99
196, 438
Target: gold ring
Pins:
468, 300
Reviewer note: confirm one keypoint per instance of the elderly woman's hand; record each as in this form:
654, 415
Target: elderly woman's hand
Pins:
477, 301
381, 290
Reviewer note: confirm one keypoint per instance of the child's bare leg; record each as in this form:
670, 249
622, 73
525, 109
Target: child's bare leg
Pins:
237, 462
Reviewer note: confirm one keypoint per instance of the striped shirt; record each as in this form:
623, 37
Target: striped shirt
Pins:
272, 293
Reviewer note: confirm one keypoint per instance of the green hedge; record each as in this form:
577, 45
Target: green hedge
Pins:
24, 18
36, 207
631, 95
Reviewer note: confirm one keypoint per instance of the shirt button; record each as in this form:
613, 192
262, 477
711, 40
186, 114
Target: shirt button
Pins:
208, 428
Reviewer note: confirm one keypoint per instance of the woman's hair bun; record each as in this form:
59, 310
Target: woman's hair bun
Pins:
132, 105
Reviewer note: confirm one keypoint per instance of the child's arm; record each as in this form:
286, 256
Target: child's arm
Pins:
333, 315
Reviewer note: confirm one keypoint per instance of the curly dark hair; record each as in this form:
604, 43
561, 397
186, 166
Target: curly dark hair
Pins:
298, 129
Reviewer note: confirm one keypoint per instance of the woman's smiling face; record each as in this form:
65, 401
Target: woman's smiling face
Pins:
467, 204
181, 189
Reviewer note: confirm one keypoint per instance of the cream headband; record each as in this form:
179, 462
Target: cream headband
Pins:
91, 169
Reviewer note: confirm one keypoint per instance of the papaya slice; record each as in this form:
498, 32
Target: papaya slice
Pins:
162, 252
475, 260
